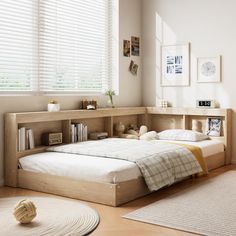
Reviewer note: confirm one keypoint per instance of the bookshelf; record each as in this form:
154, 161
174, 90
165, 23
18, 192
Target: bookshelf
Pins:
43, 122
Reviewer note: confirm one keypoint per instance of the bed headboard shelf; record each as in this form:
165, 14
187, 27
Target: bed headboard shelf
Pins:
101, 120
181, 118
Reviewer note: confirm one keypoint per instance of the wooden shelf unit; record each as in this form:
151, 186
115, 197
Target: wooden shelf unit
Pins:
181, 118
102, 119
41, 122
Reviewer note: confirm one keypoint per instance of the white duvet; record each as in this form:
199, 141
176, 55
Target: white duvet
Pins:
161, 164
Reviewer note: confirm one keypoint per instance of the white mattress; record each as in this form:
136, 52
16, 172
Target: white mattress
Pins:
208, 147
98, 169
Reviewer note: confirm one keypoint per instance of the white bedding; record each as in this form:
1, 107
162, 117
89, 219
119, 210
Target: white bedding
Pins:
96, 168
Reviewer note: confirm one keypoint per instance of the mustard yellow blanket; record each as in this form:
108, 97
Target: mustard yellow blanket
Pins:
197, 152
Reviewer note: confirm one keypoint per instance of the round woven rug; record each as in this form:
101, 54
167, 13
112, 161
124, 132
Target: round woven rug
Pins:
54, 217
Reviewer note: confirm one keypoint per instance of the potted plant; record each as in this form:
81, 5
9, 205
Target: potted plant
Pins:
110, 93
53, 106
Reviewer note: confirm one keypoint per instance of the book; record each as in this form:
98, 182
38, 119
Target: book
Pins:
22, 139
31, 139
72, 133
85, 133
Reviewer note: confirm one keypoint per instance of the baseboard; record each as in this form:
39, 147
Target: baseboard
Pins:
1, 182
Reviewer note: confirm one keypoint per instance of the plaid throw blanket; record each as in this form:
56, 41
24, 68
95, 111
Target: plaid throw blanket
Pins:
161, 164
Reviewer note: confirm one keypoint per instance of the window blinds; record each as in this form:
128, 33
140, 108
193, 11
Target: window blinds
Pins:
18, 45
74, 45
58, 45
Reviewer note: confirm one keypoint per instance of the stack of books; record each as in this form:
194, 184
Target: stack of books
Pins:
79, 133
25, 139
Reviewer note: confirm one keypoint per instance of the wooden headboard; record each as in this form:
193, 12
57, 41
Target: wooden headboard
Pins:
181, 118
102, 120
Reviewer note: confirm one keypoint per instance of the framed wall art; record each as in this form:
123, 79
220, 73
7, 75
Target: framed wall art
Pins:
209, 69
175, 63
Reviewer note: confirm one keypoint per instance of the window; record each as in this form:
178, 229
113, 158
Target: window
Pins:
18, 45
58, 46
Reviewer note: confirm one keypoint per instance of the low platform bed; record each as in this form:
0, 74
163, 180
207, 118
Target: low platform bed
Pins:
112, 191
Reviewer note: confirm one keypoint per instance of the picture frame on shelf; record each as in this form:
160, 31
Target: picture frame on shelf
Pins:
213, 126
209, 69
175, 63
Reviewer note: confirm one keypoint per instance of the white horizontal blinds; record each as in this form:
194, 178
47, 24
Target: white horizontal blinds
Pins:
74, 45
18, 45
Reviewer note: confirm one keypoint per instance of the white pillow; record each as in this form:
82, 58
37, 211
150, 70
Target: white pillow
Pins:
181, 135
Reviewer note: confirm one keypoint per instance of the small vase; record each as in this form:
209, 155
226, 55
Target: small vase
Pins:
53, 107
110, 102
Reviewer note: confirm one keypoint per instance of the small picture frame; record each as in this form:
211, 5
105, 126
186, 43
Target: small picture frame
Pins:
213, 126
133, 68
126, 48
135, 46
209, 69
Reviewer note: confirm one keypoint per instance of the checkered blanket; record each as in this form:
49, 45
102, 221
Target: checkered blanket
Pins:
161, 164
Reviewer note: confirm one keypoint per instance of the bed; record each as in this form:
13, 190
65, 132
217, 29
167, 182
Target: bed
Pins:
89, 177
111, 171
99, 169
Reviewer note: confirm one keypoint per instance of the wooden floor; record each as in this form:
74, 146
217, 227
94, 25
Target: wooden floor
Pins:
112, 224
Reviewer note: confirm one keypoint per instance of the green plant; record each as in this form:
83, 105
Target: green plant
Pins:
52, 102
110, 93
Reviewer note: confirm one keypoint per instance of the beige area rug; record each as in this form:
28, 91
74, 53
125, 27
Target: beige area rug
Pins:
208, 208
54, 217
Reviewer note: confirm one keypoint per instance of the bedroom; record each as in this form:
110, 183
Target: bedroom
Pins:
205, 27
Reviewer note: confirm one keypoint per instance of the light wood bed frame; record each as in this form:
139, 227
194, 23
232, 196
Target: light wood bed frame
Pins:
99, 120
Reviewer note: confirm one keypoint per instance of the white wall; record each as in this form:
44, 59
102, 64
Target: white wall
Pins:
130, 86
209, 26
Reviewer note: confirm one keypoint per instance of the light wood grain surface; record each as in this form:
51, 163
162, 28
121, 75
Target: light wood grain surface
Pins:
112, 224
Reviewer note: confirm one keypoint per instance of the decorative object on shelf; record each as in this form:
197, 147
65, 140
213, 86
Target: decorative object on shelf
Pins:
134, 46
53, 106
120, 128
133, 127
98, 135
205, 104
110, 93
49, 139
25, 211
213, 126
133, 68
163, 103
196, 125
141, 134
126, 48
208, 69
175, 65
89, 105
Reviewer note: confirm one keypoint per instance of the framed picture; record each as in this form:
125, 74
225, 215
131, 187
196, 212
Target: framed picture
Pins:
208, 69
213, 126
133, 68
134, 46
126, 48
175, 65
